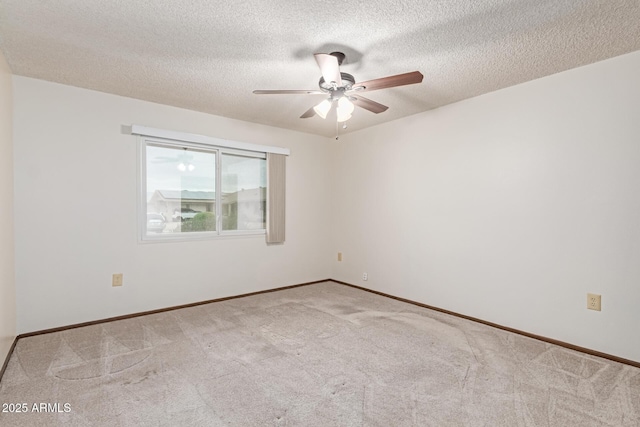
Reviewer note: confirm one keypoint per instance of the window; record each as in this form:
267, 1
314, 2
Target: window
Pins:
191, 190
195, 186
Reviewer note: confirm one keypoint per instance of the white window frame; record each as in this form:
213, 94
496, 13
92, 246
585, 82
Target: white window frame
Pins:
183, 140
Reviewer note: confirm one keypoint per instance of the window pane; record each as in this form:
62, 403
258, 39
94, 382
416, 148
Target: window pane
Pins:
180, 190
244, 189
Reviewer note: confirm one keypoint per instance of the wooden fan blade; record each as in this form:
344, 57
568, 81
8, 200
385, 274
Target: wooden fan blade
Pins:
329, 67
391, 81
368, 104
309, 113
288, 92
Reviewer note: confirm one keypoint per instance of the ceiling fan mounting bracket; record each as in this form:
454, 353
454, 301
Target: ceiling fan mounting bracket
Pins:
340, 56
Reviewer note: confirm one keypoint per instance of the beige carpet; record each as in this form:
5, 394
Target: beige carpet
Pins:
317, 355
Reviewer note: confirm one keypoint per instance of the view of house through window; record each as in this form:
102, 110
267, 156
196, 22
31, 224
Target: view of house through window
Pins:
201, 190
244, 193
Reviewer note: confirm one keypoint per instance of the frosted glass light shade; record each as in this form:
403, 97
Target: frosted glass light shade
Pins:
323, 108
345, 108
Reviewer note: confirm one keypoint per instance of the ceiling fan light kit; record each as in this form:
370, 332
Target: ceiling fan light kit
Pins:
342, 89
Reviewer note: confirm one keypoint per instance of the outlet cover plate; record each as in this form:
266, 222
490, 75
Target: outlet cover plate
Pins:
594, 302
116, 280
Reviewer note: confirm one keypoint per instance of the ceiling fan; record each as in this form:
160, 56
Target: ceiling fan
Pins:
342, 89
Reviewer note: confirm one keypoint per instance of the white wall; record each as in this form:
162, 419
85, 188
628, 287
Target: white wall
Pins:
75, 206
7, 273
508, 207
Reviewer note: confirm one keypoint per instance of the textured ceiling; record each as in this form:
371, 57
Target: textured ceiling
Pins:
208, 55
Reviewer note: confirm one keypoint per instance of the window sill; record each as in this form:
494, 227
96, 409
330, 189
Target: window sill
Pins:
198, 237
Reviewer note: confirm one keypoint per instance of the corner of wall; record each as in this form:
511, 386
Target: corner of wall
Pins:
7, 255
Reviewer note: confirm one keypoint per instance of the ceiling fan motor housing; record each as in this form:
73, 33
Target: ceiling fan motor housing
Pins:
347, 82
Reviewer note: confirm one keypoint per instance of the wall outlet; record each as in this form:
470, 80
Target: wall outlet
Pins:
116, 280
594, 302
339, 256
365, 276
